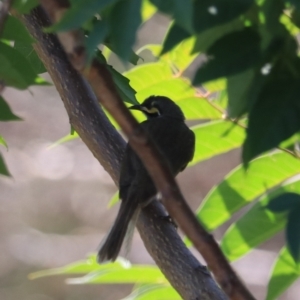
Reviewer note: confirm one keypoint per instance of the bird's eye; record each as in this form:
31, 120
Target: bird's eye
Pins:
152, 111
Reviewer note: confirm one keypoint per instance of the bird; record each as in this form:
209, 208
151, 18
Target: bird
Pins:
165, 124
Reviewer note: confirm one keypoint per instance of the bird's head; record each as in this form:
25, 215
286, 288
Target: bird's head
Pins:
157, 106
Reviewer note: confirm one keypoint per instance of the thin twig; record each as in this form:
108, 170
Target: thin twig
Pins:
104, 89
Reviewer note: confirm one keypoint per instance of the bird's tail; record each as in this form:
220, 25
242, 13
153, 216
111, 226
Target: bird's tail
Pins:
111, 246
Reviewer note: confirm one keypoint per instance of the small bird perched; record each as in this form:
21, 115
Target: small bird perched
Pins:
165, 125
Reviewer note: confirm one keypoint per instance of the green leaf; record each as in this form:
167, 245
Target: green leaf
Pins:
288, 22
5, 112
257, 225
3, 142
96, 37
175, 35
238, 87
124, 87
153, 291
208, 14
114, 200
180, 10
215, 85
28, 51
266, 130
240, 187
148, 10
130, 274
67, 138
15, 70
284, 202
294, 139
81, 267
118, 272
293, 232
14, 30
229, 55
296, 3
125, 18
214, 138
3, 169
180, 57
295, 19
157, 79
208, 37
25, 6
79, 13
284, 273
133, 57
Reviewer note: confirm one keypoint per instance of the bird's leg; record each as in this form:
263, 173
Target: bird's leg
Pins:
167, 218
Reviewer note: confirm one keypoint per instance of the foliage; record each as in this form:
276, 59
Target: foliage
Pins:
250, 84
149, 282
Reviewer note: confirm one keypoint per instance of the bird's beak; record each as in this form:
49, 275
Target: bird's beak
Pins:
136, 107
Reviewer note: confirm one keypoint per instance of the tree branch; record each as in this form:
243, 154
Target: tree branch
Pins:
106, 93
184, 272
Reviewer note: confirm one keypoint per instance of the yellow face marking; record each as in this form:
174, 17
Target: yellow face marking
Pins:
152, 110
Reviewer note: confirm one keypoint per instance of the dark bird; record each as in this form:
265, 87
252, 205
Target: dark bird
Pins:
165, 124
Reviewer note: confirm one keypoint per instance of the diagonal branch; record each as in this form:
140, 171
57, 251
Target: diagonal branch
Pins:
180, 267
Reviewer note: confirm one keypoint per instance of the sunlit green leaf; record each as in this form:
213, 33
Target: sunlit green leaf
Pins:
217, 137
3, 142
130, 274
241, 187
82, 267
114, 200
153, 291
284, 273
180, 56
289, 25
157, 79
215, 85
257, 225
67, 138
175, 35
148, 10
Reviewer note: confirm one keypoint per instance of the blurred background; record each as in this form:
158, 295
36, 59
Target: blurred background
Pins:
53, 211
